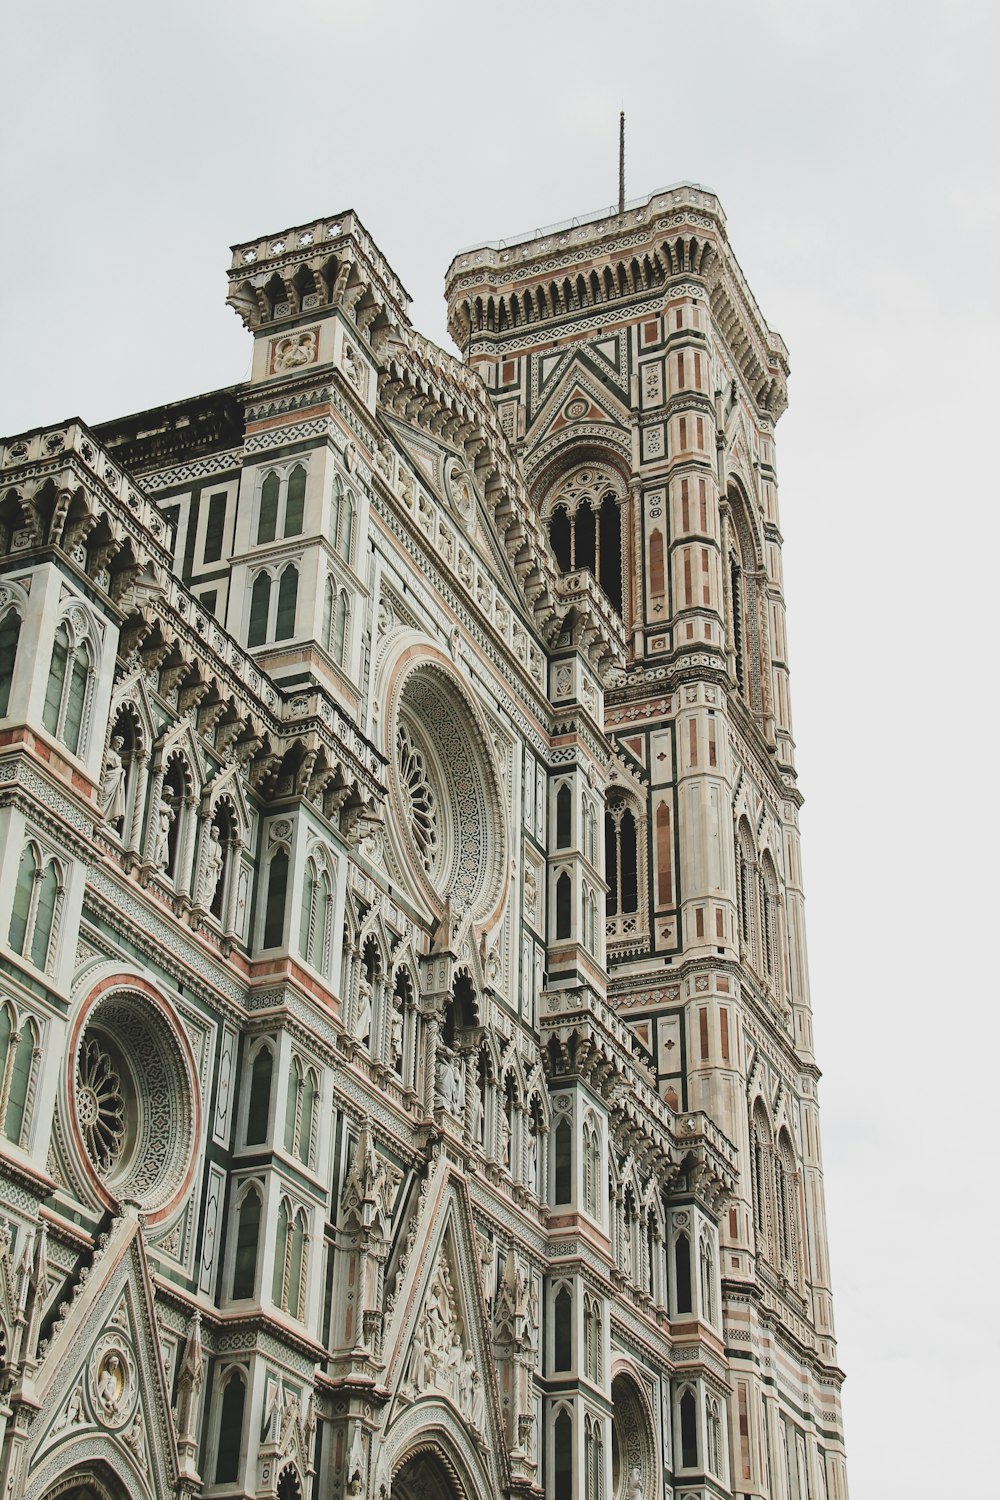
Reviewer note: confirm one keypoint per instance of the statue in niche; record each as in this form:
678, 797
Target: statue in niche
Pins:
449, 1082
396, 1035
362, 1028
214, 861
531, 1159
471, 1401
476, 1117
161, 838
503, 1137
112, 794
636, 1490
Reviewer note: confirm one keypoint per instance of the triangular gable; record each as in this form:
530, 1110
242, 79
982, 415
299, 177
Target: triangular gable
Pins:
439, 1340
100, 1384
579, 395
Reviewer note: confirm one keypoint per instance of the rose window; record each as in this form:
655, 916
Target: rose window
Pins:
448, 825
423, 803
100, 1106
134, 1101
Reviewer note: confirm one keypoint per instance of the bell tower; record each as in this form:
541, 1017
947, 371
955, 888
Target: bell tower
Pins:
640, 385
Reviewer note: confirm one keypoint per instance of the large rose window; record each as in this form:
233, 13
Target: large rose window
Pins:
133, 1100
448, 810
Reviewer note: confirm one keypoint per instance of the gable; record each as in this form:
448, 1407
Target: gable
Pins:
100, 1383
438, 1341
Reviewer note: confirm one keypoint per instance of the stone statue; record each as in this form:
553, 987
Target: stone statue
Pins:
362, 1028
476, 1117
161, 839
214, 861
471, 1403
446, 1075
531, 1160
112, 794
396, 1035
635, 1485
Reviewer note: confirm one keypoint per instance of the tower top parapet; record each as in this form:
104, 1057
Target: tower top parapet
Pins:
277, 278
606, 268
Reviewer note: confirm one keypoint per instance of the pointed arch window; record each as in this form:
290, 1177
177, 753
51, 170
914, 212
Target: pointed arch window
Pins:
587, 521
682, 1272
273, 609
563, 1161
289, 1259
230, 1445
564, 906
274, 908
247, 1240
622, 859
38, 893
562, 1330
281, 510
68, 688
260, 609
338, 640
316, 921
259, 1106
564, 817
288, 591
19, 1054
689, 1430
562, 1456
10, 633
707, 1268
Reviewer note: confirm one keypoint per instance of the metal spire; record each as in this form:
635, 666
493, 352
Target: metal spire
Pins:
621, 162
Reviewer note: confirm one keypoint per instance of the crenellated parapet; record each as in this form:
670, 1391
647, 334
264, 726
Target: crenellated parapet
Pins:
330, 262
607, 268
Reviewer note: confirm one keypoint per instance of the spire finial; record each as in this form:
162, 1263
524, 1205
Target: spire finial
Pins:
621, 162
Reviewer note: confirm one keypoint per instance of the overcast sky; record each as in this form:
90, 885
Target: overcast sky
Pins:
854, 149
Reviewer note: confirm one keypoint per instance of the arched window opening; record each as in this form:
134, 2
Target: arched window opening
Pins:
689, 1431
293, 1104
281, 1249
346, 542
274, 909
247, 1237
37, 897
746, 879
621, 850
339, 642
295, 501
23, 893
307, 1119
592, 1339
326, 629
585, 537
336, 503
564, 817
585, 529
769, 917
260, 608
564, 906
562, 1456
18, 1051
682, 1273
67, 687
259, 1107
562, 1330
288, 592
707, 1281
561, 537
563, 1161
786, 1200
267, 521
46, 901
714, 1425
10, 632
230, 1446
761, 1177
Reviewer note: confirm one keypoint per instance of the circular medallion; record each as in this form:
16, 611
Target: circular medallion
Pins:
113, 1383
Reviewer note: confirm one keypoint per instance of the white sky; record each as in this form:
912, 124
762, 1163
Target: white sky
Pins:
854, 149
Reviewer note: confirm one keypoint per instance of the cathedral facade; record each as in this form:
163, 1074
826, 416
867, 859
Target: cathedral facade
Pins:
406, 1071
